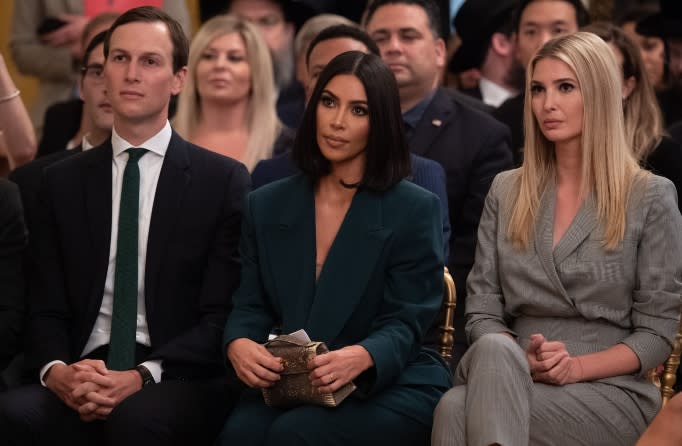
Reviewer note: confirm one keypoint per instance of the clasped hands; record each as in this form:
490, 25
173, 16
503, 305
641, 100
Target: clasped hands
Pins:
550, 362
258, 368
91, 389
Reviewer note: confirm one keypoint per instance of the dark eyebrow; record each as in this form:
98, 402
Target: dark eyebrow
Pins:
354, 102
554, 23
145, 54
330, 93
409, 29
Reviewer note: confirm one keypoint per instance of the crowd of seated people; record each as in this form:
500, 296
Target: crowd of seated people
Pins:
290, 168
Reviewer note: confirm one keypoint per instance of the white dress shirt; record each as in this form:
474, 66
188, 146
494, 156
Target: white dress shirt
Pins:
150, 168
492, 93
85, 144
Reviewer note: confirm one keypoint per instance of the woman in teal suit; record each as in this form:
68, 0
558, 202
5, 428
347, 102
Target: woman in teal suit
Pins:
352, 253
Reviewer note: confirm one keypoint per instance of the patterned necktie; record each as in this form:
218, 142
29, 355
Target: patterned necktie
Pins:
124, 315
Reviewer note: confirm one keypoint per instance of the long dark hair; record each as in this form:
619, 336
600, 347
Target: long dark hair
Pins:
387, 153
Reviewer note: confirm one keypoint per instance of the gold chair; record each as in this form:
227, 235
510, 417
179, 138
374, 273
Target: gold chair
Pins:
446, 340
670, 368
666, 381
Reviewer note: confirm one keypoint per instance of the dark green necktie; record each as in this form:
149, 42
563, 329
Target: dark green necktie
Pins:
124, 313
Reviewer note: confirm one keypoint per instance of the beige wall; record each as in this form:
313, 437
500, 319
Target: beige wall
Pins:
27, 84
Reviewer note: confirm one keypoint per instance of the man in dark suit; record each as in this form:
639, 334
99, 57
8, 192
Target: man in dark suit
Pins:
12, 246
535, 22
137, 259
484, 28
471, 146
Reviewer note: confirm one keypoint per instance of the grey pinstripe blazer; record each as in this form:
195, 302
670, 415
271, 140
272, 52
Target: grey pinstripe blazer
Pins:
578, 292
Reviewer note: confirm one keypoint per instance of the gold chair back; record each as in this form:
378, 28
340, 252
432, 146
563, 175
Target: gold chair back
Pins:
447, 329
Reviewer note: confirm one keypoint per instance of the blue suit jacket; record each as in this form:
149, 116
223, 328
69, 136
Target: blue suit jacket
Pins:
425, 173
380, 287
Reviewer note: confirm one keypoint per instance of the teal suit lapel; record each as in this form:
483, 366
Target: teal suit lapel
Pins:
291, 246
349, 265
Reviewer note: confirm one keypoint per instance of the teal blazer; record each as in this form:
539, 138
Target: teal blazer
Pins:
380, 287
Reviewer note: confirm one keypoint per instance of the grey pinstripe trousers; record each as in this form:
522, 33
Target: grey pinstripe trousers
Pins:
495, 401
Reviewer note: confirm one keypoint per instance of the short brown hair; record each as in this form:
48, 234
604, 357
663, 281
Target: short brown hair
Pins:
150, 14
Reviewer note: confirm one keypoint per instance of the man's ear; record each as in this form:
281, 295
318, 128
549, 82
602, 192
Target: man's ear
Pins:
179, 80
501, 44
440, 52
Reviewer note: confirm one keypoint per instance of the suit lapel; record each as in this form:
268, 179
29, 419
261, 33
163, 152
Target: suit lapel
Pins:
174, 178
583, 223
544, 231
350, 263
98, 199
291, 253
435, 118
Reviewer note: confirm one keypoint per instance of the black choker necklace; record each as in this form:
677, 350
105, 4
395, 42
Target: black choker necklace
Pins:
349, 185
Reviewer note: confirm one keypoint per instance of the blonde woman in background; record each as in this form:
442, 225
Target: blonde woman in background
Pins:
643, 120
228, 102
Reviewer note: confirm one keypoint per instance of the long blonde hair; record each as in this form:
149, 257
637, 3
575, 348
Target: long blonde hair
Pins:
262, 121
643, 119
608, 166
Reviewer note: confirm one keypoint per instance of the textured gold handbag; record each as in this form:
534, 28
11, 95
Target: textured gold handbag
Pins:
294, 388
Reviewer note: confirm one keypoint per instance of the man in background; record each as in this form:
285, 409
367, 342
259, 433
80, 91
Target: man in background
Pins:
471, 146
485, 31
534, 23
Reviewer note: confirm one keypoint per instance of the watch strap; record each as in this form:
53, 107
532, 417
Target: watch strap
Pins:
146, 375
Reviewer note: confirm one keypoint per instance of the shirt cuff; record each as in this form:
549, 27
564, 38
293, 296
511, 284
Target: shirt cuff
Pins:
155, 368
45, 368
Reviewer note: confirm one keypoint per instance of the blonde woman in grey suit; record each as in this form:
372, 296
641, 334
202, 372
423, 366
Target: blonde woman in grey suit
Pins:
575, 291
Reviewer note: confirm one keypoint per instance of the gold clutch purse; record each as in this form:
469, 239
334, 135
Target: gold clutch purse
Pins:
294, 388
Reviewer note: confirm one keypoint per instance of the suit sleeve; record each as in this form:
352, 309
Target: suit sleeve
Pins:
412, 295
12, 246
656, 299
50, 319
252, 317
485, 302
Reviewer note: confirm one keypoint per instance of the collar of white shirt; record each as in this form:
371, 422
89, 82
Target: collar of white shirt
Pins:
157, 143
492, 93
